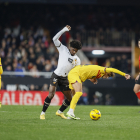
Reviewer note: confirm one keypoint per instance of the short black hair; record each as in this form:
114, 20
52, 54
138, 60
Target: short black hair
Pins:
139, 40
76, 44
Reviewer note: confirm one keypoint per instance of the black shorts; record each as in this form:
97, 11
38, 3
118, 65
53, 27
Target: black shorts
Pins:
62, 82
138, 81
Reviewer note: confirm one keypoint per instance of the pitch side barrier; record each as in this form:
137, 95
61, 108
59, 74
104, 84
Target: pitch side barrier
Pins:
29, 97
119, 88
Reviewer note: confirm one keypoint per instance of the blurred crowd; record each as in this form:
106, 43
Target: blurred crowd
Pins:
120, 62
26, 33
28, 50
81, 18
33, 50
89, 17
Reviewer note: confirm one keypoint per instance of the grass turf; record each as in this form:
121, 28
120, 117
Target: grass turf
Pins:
23, 123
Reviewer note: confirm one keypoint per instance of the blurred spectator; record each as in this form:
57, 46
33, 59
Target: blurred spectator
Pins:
30, 66
34, 71
36, 87
8, 68
32, 87
45, 87
107, 63
19, 69
2, 53
97, 98
112, 62
94, 61
129, 65
48, 68
109, 99
17, 87
2, 86
118, 62
124, 64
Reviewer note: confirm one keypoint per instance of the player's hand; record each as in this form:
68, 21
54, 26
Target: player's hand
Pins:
69, 28
127, 76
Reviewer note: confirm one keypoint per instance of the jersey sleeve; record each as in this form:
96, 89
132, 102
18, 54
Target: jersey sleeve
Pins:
57, 36
115, 71
61, 47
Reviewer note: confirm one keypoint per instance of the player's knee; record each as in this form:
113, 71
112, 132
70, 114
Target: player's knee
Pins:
51, 95
80, 93
69, 99
136, 90
51, 92
78, 90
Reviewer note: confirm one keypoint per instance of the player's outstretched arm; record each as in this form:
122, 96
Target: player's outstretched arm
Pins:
115, 71
127, 76
57, 36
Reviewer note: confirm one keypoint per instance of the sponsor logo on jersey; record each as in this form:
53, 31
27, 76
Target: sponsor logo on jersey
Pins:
74, 62
54, 80
70, 60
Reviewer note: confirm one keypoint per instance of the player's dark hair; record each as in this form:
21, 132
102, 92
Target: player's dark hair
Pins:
139, 40
76, 44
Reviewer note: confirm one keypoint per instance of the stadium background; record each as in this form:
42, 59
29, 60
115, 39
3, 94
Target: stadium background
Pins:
26, 32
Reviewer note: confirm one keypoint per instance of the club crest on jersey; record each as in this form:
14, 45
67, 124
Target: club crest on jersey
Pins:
74, 62
70, 60
54, 80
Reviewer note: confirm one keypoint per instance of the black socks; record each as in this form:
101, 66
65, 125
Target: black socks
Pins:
65, 104
46, 104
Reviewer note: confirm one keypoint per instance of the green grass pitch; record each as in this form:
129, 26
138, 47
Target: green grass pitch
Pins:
23, 123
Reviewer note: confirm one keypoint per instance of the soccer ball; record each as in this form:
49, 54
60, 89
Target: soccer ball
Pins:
95, 114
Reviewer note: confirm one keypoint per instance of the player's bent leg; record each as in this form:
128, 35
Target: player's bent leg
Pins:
61, 114
65, 104
78, 93
68, 95
137, 90
47, 101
